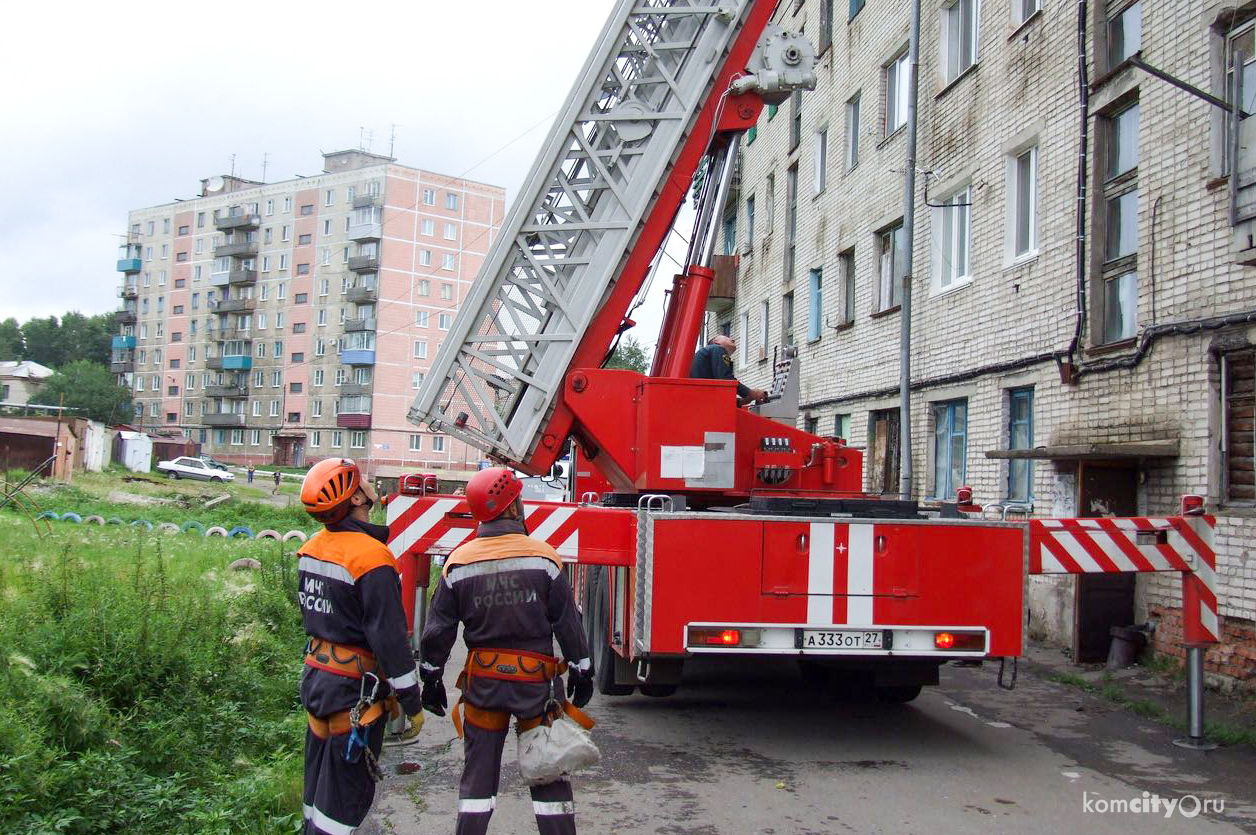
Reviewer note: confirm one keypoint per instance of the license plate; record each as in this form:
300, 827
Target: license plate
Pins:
841, 639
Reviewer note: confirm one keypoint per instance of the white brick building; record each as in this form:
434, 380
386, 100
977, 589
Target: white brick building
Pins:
996, 281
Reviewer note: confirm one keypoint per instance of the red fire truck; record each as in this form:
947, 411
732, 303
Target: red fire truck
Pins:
717, 529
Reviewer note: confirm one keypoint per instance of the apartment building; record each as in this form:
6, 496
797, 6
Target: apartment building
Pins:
1106, 375
287, 322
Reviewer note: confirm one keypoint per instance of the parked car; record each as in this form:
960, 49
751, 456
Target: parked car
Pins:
217, 465
187, 467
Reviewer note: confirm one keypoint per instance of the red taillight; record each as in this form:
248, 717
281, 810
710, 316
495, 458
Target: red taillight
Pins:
727, 637
944, 640
962, 641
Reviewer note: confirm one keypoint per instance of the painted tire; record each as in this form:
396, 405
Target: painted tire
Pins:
168, 527
114, 520
268, 534
71, 516
192, 523
49, 514
291, 535
147, 524
93, 520
240, 529
216, 530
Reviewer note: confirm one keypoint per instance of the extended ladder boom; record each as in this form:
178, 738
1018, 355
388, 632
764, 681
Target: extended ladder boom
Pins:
565, 259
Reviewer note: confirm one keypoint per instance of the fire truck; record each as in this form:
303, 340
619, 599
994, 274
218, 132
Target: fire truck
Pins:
714, 529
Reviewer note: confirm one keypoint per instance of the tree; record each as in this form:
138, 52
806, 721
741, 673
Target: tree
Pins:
630, 355
90, 388
43, 342
86, 337
11, 347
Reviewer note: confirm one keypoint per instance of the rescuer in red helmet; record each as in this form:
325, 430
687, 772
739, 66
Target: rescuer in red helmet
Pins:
358, 662
509, 592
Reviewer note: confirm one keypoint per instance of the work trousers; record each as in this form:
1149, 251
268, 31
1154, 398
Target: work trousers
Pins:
552, 803
338, 793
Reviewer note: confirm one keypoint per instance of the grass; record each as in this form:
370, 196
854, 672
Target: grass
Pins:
143, 687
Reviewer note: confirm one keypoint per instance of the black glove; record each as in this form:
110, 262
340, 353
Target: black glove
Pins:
433, 696
579, 687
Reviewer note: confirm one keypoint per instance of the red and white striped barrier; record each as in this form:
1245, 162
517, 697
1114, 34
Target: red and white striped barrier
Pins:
1137, 544
427, 522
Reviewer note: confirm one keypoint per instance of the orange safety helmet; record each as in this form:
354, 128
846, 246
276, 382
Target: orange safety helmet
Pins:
490, 492
328, 487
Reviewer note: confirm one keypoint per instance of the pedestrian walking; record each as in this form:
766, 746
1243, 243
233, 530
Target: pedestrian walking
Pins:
251, 471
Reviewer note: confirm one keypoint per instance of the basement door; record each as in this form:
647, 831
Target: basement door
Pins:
1103, 600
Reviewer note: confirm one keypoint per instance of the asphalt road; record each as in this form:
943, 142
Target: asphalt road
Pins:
750, 749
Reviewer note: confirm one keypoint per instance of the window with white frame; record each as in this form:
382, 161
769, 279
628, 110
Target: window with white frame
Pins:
451, 201
316, 438
318, 376
316, 408
896, 80
1023, 10
743, 339
447, 261
357, 439
416, 379
427, 226
429, 197
815, 303
274, 408
951, 236
420, 349
1022, 203
438, 443
447, 291
821, 159
255, 437
416, 442
852, 132
960, 34
425, 258
891, 243
422, 318
451, 232
337, 438
846, 287
445, 321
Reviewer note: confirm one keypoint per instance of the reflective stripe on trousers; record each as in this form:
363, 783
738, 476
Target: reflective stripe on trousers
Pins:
477, 792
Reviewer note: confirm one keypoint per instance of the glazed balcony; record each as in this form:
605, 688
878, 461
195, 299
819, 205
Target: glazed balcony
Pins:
347, 389
238, 277
129, 265
227, 223
365, 324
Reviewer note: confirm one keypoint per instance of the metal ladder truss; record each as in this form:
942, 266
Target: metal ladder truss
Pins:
498, 373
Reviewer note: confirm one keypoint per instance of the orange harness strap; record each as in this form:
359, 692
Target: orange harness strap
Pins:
508, 665
340, 659
338, 723
577, 715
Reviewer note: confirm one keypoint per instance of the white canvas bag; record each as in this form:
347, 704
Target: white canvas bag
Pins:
556, 747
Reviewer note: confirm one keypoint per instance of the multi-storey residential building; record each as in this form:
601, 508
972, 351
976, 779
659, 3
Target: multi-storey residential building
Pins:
286, 322
1103, 373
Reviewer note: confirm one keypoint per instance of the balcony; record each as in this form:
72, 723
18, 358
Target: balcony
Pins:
246, 249
122, 364
353, 421
128, 265
125, 317
232, 334
233, 305
372, 231
237, 363
364, 264
367, 324
223, 419
123, 343
234, 392
355, 388
358, 295
129, 291
242, 221
364, 200
723, 294
358, 356
233, 277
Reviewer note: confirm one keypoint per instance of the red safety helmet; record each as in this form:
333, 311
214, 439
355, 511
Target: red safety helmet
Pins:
328, 488
490, 492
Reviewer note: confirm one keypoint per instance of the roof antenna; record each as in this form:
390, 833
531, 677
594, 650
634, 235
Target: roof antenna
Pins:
233, 165
265, 158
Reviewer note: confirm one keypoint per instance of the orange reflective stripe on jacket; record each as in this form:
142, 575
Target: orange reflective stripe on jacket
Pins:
354, 552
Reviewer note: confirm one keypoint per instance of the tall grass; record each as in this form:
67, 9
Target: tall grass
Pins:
144, 688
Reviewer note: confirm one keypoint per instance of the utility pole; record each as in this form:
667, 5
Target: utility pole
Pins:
909, 240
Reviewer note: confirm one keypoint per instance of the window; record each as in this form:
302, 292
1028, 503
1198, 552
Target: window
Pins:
420, 349
821, 159
425, 286
302, 298
896, 93
307, 209
270, 207
795, 119
421, 318
787, 319
165, 251
176, 310
324, 287
1020, 435
890, 268
846, 290
316, 438
322, 316
329, 197
1238, 376
951, 227
278, 348
1125, 34
841, 426
295, 388
1023, 10
429, 197
281, 290
298, 327
425, 258
284, 233
763, 329
427, 227
341, 376
438, 443
447, 261
730, 234
357, 440
283, 263
255, 437
791, 221
298, 356
237, 436
276, 378
447, 291
959, 38
771, 202
1241, 40
750, 221
950, 446
1022, 203
825, 38
337, 438
326, 227
274, 408
444, 321
451, 232
883, 451
855, 7
416, 443
181, 257
815, 303
852, 132
743, 340
1119, 302
451, 201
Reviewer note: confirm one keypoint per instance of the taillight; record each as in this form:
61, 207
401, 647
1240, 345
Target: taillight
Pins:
944, 640
713, 637
965, 641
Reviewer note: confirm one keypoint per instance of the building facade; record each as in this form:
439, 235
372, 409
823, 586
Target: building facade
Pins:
1064, 367
287, 322
19, 380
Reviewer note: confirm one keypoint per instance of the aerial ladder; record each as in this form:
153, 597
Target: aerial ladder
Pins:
724, 530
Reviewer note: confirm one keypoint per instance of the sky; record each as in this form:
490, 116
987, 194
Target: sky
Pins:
131, 105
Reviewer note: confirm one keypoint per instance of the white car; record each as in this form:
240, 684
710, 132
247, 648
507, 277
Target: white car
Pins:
187, 467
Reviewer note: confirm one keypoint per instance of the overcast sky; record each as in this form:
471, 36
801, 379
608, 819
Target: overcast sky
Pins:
117, 106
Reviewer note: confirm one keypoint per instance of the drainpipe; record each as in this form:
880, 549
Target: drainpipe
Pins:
909, 234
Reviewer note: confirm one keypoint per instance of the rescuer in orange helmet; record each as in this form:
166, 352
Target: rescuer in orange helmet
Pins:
509, 592
358, 662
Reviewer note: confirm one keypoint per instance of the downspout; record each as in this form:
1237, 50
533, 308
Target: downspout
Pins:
1068, 365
